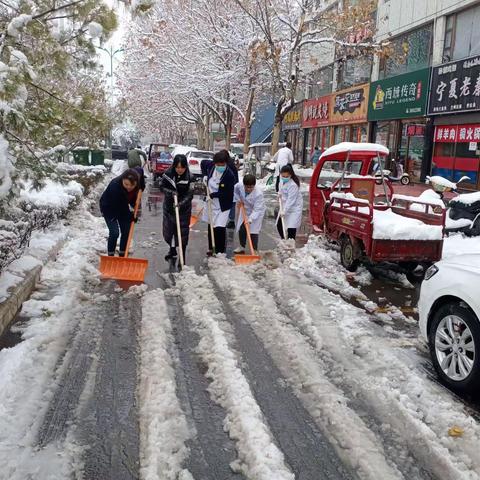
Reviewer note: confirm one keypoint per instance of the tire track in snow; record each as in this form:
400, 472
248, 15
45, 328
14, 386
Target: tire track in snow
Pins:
211, 451
258, 456
355, 443
403, 403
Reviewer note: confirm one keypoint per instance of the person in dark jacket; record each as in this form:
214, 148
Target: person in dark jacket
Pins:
177, 179
116, 205
233, 168
221, 183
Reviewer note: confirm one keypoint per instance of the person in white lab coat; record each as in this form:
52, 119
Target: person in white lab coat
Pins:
283, 157
254, 203
292, 202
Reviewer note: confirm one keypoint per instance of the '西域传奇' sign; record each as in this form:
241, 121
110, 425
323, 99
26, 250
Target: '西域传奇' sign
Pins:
455, 87
403, 96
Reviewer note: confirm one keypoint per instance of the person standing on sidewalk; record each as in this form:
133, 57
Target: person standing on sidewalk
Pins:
177, 179
254, 204
116, 205
292, 203
221, 183
283, 157
136, 157
234, 169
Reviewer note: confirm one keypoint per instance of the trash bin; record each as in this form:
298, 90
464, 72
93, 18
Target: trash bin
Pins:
81, 157
97, 157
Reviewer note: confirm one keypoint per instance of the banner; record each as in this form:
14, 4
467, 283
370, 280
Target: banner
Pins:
316, 112
455, 87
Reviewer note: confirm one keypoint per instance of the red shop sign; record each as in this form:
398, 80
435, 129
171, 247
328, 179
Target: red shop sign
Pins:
457, 133
316, 112
414, 130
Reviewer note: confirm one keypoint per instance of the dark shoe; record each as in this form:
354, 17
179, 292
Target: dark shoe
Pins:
171, 254
210, 253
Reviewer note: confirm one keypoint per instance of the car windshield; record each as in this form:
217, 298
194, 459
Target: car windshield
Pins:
333, 170
202, 155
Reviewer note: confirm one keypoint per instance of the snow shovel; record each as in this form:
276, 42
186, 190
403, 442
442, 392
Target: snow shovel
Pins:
210, 220
179, 231
282, 216
242, 259
124, 268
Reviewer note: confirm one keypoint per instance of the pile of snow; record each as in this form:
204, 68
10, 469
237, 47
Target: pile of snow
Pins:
119, 166
303, 172
348, 196
52, 194
388, 225
467, 198
6, 168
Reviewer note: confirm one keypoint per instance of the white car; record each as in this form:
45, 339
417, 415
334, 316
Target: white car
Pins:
195, 158
449, 309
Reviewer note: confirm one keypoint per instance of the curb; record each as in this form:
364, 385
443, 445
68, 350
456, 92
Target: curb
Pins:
10, 307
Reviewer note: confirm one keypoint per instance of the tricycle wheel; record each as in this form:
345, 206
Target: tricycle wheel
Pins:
348, 254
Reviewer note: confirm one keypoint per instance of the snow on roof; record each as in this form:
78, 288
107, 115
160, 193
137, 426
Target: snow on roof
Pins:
467, 198
356, 147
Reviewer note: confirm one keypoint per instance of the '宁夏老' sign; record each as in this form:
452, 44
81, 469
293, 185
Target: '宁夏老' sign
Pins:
455, 87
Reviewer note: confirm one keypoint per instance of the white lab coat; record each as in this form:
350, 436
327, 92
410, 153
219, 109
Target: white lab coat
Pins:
254, 207
282, 157
292, 201
220, 219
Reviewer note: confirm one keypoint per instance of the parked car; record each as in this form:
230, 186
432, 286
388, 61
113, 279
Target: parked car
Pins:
159, 159
195, 158
449, 309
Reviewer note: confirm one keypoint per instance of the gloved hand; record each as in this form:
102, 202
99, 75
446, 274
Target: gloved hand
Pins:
205, 180
133, 218
213, 195
249, 220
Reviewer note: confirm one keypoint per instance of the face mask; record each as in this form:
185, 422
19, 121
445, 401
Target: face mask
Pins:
285, 180
220, 169
247, 193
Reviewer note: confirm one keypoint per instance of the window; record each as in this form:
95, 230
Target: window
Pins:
354, 71
409, 52
321, 82
462, 35
332, 171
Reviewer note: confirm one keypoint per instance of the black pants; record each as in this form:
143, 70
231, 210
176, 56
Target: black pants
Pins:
115, 228
242, 236
291, 232
220, 234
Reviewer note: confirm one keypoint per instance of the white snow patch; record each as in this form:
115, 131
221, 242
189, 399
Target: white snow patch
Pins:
17, 24
467, 198
53, 194
163, 425
344, 147
8, 281
258, 456
458, 243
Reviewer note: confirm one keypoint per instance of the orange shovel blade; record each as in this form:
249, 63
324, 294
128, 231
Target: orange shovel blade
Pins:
246, 259
193, 220
121, 268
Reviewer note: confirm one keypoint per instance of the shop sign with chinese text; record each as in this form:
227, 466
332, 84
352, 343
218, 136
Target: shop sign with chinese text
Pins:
455, 87
349, 106
457, 133
403, 96
293, 119
316, 112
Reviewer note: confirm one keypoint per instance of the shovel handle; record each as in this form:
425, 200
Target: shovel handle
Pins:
179, 231
247, 228
282, 215
132, 225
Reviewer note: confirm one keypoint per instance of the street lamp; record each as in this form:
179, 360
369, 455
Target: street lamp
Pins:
111, 53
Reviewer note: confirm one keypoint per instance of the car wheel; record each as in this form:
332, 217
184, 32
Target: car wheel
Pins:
454, 340
405, 180
348, 255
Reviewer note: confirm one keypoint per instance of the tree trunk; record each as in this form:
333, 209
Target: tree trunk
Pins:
248, 123
228, 134
277, 130
200, 135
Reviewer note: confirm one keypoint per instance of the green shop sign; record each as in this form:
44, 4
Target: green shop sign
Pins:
404, 96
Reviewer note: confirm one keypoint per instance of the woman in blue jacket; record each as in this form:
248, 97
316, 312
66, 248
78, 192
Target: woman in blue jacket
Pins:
221, 183
116, 204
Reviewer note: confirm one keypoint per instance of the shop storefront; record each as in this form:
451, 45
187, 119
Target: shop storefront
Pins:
455, 105
316, 114
292, 128
348, 115
397, 109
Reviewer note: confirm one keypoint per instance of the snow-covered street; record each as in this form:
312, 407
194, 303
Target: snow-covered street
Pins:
292, 368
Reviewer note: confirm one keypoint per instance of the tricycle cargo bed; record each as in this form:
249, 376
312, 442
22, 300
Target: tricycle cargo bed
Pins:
406, 250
